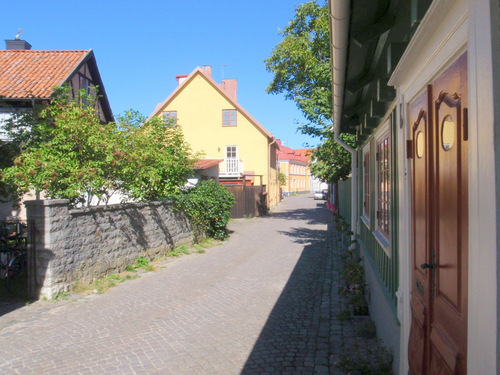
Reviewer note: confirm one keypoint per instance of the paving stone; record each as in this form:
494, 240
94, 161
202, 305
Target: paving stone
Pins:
265, 301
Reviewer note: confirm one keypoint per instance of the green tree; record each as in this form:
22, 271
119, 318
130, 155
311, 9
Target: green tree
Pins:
62, 149
153, 159
301, 66
331, 162
282, 178
66, 152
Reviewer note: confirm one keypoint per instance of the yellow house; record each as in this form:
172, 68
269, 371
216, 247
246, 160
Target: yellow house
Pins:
294, 164
214, 123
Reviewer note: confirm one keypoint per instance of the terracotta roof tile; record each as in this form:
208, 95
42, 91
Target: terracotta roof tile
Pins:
287, 153
31, 73
207, 163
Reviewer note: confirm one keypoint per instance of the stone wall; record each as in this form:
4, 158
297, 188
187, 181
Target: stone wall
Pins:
82, 244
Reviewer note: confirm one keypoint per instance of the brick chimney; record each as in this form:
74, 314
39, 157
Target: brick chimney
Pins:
17, 44
230, 87
207, 69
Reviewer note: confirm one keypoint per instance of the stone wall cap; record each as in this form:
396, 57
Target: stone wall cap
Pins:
118, 206
47, 202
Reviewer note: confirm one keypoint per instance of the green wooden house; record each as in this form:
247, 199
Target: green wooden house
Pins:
418, 83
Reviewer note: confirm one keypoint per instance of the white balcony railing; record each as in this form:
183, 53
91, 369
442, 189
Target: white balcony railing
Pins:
232, 168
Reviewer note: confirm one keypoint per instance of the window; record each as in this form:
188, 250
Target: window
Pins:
84, 84
231, 152
170, 116
229, 117
366, 182
383, 184
232, 164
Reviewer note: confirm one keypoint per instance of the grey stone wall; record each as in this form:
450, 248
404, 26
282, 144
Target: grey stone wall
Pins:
82, 244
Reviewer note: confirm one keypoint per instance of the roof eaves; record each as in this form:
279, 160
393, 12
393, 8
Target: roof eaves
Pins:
217, 87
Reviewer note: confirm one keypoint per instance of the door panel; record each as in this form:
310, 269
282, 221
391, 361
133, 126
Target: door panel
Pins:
449, 318
440, 224
418, 349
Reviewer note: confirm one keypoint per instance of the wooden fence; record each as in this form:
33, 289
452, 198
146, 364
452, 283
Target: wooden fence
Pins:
250, 200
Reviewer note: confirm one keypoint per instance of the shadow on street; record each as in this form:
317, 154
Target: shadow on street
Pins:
295, 338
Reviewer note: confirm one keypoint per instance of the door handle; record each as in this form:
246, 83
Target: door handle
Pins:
427, 265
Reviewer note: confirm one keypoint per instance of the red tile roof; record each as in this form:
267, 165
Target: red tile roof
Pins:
207, 163
286, 153
306, 152
33, 74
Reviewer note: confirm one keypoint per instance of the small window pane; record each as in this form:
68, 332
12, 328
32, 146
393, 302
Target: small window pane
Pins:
448, 133
229, 117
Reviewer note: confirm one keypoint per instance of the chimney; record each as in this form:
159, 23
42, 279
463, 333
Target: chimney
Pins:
17, 44
207, 69
230, 87
181, 78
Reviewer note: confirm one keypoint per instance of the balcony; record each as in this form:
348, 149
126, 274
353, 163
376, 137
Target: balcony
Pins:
232, 167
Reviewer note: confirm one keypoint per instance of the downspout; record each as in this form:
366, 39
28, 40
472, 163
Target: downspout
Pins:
339, 28
269, 173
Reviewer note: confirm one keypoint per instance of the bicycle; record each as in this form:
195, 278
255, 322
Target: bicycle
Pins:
13, 256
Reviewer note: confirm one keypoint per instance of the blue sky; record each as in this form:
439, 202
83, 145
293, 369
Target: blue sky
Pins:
140, 47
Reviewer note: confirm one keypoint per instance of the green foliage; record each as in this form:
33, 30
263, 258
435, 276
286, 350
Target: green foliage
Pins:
144, 263
353, 280
301, 65
344, 315
153, 159
8, 152
66, 151
63, 148
376, 360
179, 250
367, 329
208, 206
331, 162
282, 178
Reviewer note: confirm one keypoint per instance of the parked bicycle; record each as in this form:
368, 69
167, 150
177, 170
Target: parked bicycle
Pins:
13, 256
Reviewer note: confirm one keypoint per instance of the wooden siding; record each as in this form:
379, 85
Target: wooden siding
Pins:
385, 266
345, 199
384, 262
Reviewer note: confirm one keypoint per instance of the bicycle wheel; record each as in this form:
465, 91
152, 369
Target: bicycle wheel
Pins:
16, 280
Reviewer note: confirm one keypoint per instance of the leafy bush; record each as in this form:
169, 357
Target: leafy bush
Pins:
208, 206
376, 360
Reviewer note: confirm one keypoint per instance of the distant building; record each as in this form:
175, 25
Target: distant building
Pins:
295, 166
315, 184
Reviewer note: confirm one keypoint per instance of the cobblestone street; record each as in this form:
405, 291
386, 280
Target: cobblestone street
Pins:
265, 301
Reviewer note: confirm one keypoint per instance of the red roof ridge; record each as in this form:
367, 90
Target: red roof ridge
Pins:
200, 71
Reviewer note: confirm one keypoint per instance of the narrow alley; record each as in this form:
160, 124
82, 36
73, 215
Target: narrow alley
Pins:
264, 301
